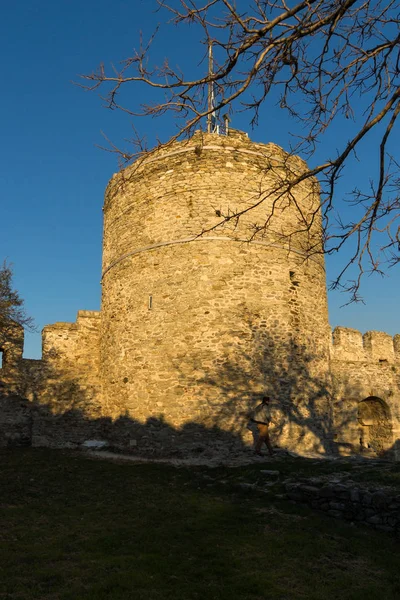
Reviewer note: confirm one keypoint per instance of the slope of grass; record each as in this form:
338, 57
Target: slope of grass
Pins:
79, 529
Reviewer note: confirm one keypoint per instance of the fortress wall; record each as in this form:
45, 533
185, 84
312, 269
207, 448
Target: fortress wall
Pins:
352, 345
71, 356
195, 326
68, 374
396, 345
55, 401
363, 367
176, 192
73, 348
18, 375
201, 318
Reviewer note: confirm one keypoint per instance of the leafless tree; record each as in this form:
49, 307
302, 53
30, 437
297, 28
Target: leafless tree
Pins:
325, 61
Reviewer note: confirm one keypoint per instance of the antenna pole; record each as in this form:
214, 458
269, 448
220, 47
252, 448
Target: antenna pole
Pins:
210, 88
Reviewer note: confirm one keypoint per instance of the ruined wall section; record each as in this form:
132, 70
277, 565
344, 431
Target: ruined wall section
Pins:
74, 347
67, 377
55, 401
18, 375
365, 367
373, 346
71, 357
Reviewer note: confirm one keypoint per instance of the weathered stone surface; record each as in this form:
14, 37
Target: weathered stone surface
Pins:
380, 499
270, 473
200, 318
309, 490
375, 520
337, 505
191, 320
367, 499
361, 505
326, 492
15, 422
337, 514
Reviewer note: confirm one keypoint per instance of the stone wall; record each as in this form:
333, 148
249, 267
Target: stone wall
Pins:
378, 508
374, 346
16, 418
74, 348
366, 377
196, 327
62, 391
201, 316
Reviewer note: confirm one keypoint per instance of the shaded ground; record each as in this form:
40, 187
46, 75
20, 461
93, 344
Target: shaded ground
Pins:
84, 529
248, 467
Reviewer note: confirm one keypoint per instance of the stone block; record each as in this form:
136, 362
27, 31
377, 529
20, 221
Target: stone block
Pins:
337, 514
379, 499
326, 492
348, 344
374, 520
366, 499
270, 473
379, 346
309, 490
94, 444
337, 505
355, 495
386, 528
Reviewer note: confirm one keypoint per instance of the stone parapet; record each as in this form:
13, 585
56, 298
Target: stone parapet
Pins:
74, 347
379, 345
374, 346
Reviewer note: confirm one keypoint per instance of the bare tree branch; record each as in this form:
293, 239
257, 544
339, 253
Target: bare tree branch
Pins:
328, 62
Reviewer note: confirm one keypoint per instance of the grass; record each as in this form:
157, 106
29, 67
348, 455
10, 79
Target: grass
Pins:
80, 529
369, 474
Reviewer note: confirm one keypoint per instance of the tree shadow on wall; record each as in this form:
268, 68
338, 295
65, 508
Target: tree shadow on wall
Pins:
46, 401
44, 406
294, 375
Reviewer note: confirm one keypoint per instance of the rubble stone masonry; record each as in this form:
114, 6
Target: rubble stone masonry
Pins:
202, 315
194, 326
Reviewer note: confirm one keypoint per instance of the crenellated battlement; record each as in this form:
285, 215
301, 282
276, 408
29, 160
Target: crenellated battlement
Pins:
66, 341
203, 314
374, 346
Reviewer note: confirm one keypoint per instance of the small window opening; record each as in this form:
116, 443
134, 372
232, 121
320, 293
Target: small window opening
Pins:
150, 302
1, 358
293, 279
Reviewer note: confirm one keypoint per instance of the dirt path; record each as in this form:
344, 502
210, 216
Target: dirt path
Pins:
232, 461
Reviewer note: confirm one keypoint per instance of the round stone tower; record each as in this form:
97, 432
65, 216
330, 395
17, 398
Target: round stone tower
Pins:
202, 316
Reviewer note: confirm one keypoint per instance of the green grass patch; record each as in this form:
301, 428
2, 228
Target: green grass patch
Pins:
80, 529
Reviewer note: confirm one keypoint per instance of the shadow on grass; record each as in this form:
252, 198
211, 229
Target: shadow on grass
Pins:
95, 530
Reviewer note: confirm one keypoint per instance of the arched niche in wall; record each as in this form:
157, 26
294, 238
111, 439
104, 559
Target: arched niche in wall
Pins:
375, 425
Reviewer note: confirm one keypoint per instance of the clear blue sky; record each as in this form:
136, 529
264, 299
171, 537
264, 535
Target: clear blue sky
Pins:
53, 176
